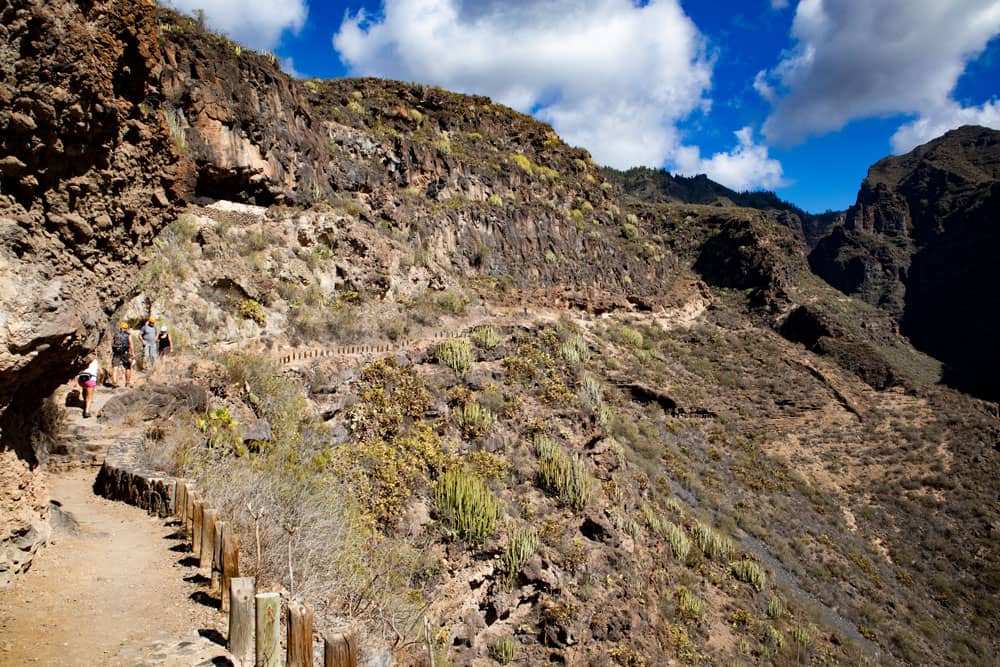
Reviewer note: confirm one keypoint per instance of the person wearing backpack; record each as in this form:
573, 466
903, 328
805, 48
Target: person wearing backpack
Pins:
122, 354
87, 379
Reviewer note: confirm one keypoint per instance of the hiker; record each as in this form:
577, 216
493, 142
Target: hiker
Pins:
150, 353
163, 342
87, 380
122, 354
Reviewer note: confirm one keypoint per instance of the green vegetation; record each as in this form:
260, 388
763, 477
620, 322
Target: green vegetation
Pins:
503, 650
689, 605
486, 337
712, 543
526, 165
175, 126
467, 505
250, 309
568, 479
456, 354
575, 350
748, 571
473, 419
680, 545
521, 543
170, 261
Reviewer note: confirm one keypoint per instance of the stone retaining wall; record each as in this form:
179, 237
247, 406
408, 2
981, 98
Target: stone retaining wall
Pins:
124, 478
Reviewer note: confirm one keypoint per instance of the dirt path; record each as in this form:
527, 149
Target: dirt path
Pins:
114, 586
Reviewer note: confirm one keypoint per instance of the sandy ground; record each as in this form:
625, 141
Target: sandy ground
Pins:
114, 587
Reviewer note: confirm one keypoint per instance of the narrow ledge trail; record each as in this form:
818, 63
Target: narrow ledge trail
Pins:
113, 587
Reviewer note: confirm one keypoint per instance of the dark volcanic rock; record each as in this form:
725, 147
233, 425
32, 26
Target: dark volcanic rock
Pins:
88, 175
920, 244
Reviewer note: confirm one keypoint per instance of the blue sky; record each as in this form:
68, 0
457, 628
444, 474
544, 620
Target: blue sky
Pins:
798, 97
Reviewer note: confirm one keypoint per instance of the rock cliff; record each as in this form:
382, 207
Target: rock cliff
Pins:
88, 175
919, 243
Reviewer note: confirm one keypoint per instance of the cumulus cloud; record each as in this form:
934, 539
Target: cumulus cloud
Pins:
935, 123
856, 59
258, 25
611, 75
288, 67
746, 167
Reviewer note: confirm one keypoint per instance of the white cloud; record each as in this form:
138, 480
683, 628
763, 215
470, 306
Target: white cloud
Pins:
288, 67
611, 75
935, 123
857, 59
779, 4
258, 25
746, 167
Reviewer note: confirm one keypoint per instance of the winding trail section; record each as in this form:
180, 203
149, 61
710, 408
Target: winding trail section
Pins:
114, 587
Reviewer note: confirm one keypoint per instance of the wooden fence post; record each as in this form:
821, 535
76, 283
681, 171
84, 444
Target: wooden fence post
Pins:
299, 645
188, 511
230, 562
180, 500
340, 651
199, 515
268, 630
216, 585
208, 519
241, 621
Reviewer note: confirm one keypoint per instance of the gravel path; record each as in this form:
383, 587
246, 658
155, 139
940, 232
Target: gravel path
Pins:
114, 587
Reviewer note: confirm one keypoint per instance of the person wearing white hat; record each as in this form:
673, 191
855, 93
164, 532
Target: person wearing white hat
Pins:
163, 342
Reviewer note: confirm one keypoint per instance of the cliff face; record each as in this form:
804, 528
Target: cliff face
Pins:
88, 175
479, 187
919, 243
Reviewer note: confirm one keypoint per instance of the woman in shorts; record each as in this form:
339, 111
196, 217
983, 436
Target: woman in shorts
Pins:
88, 380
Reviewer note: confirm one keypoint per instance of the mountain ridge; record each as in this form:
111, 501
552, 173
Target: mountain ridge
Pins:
687, 447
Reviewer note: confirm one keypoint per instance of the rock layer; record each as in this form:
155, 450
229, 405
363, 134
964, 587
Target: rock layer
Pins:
920, 244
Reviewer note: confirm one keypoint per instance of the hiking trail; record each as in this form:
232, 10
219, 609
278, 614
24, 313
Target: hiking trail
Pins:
113, 587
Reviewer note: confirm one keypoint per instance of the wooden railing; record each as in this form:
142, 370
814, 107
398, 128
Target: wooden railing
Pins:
254, 618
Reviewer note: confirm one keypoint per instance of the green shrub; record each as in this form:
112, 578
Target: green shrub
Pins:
494, 200
689, 605
467, 505
630, 231
488, 465
486, 337
713, 544
567, 479
628, 336
775, 606
442, 146
474, 419
503, 650
456, 354
749, 572
651, 518
592, 396
250, 309
388, 395
175, 126
800, 635
575, 350
521, 543
680, 545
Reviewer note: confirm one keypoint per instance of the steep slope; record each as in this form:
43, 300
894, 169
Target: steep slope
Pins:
919, 243
87, 177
